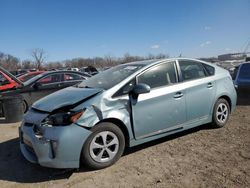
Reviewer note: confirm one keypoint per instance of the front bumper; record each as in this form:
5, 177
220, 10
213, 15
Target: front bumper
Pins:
56, 147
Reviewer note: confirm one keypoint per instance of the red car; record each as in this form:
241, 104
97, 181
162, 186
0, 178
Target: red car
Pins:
8, 81
29, 75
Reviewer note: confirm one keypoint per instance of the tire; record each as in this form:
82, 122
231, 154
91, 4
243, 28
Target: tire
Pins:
25, 106
97, 155
221, 113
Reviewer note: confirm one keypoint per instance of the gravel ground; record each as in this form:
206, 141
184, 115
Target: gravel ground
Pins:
201, 157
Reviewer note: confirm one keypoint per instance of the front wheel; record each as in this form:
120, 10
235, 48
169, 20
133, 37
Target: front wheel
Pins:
221, 113
103, 147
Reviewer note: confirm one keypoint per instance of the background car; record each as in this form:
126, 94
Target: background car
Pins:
8, 81
45, 84
126, 105
90, 70
29, 75
242, 79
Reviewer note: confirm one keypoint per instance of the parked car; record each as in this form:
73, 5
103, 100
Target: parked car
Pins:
8, 81
19, 72
124, 106
45, 84
90, 70
29, 75
73, 69
241, 78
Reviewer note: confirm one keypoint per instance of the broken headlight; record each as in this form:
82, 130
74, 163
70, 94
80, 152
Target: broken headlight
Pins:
63, 118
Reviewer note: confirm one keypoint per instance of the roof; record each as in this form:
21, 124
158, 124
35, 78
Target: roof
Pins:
155, 61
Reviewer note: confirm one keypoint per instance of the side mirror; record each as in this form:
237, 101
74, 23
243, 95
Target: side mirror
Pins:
37, 85
140, 89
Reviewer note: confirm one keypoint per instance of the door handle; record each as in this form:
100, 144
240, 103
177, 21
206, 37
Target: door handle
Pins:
178, 95
209, 85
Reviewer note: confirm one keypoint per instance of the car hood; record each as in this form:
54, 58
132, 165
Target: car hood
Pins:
70, 96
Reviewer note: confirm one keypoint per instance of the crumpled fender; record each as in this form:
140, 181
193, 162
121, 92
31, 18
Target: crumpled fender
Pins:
100, 110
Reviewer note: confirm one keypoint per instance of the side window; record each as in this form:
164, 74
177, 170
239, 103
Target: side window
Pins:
71, 76
50, 79
210, 70
191, 70
161, 75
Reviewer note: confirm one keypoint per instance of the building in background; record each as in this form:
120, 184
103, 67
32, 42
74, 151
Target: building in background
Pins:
232, 56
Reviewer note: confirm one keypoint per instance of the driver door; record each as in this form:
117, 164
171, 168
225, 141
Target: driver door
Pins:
163, 109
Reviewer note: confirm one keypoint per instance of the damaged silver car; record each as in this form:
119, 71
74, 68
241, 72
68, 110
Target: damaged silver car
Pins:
127, 105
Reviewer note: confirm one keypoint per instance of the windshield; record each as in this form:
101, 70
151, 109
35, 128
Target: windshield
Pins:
110, 77
245, 71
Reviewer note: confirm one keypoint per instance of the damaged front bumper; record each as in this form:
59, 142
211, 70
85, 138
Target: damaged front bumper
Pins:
56, 147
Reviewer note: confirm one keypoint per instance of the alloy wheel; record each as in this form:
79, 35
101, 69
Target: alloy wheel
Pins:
222, 113
104, 146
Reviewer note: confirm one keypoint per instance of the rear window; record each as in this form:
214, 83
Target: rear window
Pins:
245, 71
209, 69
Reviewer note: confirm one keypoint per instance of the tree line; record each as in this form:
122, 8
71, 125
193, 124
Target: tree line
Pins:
39, 61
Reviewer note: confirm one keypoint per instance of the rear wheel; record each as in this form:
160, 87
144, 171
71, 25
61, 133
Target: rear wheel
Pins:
103, 147
221, 113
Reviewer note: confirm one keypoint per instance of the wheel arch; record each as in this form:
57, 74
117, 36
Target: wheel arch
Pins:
227, 98
121, 125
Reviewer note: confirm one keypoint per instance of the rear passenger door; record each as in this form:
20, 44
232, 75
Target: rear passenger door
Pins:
200, 89
163, 108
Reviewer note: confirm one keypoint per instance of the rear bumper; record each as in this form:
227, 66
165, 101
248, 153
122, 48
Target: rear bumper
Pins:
58, 147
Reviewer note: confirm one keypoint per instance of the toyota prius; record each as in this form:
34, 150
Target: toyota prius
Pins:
91, 123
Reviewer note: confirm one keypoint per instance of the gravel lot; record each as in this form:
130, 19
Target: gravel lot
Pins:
201, 157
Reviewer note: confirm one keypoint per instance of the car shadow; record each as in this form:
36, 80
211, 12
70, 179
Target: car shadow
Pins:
243, 99
14, 168
128, 151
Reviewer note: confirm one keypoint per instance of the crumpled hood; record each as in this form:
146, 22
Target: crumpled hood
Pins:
65, 97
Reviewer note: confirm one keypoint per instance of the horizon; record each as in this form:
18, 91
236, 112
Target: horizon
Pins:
68, 30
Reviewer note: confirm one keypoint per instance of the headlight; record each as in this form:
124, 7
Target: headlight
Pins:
63, 118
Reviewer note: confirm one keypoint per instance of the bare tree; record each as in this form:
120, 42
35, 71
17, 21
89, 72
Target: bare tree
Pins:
39, 56
9, 62
27, 64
